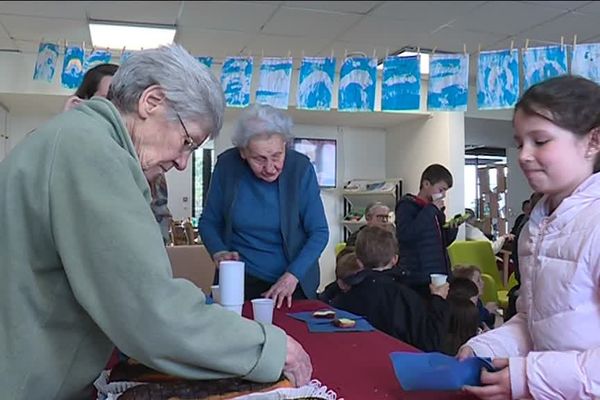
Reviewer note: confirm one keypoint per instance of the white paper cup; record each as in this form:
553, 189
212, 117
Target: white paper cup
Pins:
263, 310
231, 283
438, 279
236, 309
437, 196
215, 293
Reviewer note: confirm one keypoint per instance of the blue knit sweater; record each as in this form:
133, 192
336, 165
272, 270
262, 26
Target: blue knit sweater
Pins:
233, 206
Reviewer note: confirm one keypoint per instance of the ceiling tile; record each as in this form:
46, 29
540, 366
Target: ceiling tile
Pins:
226, 15
37, 28
433, 13
214, 43
562, 5
592, 7
382, 32
505, 17
351, 7
584, 26
158, 12
47, 9
453, 40
310, 24
278, 46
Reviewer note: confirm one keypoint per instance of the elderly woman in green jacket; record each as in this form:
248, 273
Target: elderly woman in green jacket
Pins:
94, 272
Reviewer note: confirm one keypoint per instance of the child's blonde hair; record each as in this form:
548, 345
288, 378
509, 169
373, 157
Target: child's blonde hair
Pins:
465, 271
346, 265
376, 246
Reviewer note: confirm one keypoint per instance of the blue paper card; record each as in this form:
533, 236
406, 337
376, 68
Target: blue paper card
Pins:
362, 325
307, 316
436, 371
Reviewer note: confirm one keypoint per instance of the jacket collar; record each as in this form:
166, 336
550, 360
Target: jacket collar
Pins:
584, 195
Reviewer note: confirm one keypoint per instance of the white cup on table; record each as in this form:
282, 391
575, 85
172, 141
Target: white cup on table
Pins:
438, 279
263, 310
231, 283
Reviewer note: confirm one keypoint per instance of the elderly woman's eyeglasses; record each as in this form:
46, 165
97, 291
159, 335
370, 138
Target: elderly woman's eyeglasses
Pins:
188, 142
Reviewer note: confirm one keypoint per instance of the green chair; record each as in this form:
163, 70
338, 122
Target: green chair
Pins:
480, 253
339, 247
490, 291
512, 281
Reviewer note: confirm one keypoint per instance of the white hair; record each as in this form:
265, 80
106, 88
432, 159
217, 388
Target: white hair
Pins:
191, 90
370, 210
262, 120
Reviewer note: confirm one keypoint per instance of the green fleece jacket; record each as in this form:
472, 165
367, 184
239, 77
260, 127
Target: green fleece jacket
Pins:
83, 267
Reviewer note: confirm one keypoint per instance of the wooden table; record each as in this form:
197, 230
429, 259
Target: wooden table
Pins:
356, 365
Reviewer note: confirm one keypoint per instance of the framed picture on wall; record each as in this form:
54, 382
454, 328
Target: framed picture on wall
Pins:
323, 156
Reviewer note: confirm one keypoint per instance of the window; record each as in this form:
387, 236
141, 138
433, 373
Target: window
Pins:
203, 161
485, 188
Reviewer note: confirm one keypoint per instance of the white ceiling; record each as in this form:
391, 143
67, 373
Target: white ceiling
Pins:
273, 28
276, 28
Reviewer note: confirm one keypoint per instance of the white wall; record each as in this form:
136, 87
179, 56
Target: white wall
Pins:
411, 147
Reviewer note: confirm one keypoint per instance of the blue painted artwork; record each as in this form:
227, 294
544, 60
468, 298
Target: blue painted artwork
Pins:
541, 63
72, 71
97, 57
358, 77
401, 85
45, 64
125, 54
315, 83
498, 79
586, 61
448, 86
236, 78
206, 60
274, 82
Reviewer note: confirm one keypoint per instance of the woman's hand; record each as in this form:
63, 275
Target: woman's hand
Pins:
283, 289
495, 385
297, 368
225, 256
465, 352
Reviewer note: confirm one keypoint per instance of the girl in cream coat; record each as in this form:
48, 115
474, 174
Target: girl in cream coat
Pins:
551, 348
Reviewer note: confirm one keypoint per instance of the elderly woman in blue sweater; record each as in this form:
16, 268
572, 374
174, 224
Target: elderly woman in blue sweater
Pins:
264, 208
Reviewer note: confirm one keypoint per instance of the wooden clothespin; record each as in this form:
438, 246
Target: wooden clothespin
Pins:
512, 45
562, 42
526, 44
289, 53
465, 48
332, 53
375, 52
574, 40
479, 48
303, 53
433, 50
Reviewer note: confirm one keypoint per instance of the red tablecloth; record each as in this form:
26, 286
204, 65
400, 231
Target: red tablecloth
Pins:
356, 365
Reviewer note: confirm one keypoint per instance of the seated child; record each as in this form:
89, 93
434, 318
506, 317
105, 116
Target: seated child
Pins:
487, 313
464, 317
388, 305
332, 290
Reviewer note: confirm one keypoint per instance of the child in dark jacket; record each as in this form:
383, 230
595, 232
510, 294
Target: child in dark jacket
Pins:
464, 317
388, 305
487, 313
421, 231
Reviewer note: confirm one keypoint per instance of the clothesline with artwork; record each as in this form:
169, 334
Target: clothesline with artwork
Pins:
498, 82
